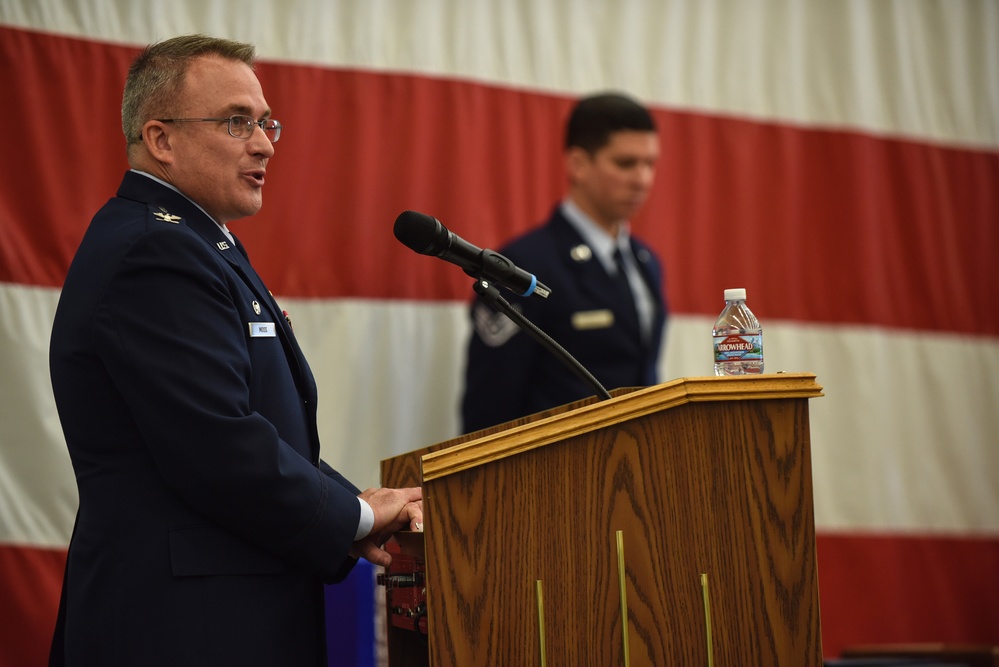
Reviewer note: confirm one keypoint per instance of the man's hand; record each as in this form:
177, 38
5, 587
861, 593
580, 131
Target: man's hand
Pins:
395, 510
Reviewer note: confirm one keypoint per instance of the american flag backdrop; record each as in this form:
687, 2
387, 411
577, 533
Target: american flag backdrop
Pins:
840, 160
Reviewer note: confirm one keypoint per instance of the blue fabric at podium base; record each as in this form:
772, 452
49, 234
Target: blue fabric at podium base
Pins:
350, 618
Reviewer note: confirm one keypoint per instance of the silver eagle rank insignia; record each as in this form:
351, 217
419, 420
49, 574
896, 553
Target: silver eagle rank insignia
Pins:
165, 216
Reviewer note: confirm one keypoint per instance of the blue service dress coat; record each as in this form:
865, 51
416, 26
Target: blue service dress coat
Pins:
509, 375
207, 523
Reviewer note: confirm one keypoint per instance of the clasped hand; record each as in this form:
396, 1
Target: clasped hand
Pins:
395, 510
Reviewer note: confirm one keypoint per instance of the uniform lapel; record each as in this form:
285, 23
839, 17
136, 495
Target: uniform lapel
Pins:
304, 379
240, 261
594, 280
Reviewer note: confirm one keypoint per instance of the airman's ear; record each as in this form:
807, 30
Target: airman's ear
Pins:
576, 162
156, 137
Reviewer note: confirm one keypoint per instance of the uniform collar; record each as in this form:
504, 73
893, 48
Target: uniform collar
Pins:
224, 229
601, 243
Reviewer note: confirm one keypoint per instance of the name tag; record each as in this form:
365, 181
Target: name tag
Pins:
262, 330
592, 319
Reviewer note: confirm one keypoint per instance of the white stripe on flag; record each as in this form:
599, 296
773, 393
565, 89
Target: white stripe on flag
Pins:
901, 441
886, 67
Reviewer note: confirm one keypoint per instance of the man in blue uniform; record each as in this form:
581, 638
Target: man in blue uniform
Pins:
606, 307
207, 523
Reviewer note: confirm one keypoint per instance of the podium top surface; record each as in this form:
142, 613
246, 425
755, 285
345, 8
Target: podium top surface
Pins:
496, 445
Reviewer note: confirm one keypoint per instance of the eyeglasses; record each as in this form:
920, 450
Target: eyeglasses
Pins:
240, 127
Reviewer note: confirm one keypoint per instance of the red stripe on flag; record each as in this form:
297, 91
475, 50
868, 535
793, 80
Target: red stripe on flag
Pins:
30, 585
893, 589
64, 152
874, 589
828, 226
819, 225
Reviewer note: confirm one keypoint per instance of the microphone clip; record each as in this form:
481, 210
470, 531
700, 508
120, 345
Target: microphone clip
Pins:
497, 268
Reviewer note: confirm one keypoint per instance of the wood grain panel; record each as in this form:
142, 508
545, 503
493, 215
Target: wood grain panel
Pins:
721, 487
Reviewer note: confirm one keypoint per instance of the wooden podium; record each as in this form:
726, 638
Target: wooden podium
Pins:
684, 509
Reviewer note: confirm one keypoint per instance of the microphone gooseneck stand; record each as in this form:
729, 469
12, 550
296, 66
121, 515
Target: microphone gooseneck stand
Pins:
490, 293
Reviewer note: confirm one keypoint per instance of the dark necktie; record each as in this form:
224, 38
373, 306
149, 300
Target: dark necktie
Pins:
621, 277
623, 285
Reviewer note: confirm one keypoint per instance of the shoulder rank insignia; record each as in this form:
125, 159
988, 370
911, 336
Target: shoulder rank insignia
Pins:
167, 217
494, 328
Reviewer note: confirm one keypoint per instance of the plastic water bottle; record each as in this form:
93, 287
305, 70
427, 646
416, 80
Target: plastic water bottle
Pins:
738, 337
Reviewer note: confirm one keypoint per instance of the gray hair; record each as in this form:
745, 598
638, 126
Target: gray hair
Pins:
156, 77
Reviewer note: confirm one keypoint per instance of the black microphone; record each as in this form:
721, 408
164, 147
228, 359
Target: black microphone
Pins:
427, 236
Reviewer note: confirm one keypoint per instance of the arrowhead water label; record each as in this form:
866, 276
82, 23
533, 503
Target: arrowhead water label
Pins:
738, 348
738, 337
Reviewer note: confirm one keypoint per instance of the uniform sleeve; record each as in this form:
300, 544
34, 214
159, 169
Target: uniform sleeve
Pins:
175, 343
500, 365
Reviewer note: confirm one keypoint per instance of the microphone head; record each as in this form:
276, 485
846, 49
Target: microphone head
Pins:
421, 233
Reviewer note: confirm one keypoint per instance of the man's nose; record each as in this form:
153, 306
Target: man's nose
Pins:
259, 143
644, 175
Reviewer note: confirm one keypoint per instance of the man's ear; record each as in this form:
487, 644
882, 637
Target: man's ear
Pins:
157, 139
576, 161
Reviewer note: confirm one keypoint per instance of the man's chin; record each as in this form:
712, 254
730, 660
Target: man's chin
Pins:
247, 210
632, 209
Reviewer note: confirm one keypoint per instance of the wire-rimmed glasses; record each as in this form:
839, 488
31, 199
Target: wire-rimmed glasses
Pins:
240, 126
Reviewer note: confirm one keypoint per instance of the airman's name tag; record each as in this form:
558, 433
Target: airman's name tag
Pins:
592, 319
262, 330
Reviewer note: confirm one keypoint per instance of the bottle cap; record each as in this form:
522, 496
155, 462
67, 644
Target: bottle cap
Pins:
737, 294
